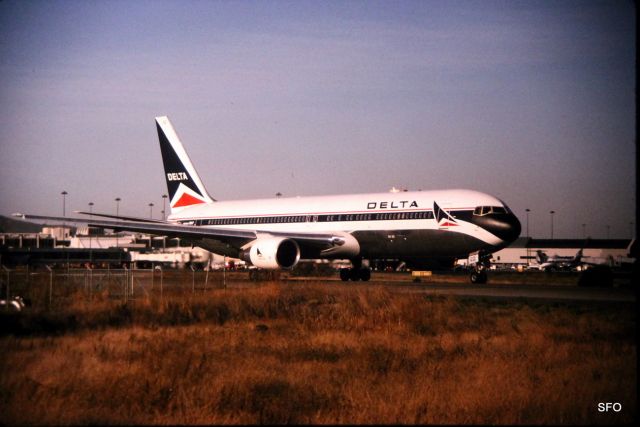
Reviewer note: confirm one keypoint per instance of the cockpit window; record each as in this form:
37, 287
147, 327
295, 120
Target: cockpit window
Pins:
486, 210
506, 208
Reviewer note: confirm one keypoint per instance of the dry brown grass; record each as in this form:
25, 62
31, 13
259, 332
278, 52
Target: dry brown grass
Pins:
318, 354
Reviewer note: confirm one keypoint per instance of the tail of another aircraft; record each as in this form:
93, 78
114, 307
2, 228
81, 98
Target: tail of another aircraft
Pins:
183, 182
578, 257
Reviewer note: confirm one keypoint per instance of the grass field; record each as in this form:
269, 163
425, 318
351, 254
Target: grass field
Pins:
317, 353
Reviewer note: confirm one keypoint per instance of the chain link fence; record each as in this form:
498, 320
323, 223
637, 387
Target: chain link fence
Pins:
51, 288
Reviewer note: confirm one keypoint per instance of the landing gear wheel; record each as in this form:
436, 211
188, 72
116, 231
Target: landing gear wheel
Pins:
478, 276
355, 274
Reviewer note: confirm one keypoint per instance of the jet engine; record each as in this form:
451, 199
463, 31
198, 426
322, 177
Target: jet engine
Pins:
273, 253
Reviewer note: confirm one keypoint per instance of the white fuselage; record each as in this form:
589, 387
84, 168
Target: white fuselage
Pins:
347, 213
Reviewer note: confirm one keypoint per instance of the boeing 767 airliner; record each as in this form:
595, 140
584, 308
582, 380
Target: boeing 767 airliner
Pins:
418, 227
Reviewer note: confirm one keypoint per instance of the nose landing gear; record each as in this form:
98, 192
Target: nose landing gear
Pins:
481, 262
478, 276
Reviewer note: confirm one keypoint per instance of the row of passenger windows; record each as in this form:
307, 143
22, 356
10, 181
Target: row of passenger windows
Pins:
382, 216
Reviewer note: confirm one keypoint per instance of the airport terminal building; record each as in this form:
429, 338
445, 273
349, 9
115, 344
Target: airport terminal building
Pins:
62, 245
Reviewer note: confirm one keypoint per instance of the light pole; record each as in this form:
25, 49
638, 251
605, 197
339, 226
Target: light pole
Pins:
164, 198
89, 228
64, 212
527, 211
64, 203
551, 213
150, 210
584, 231
117, 213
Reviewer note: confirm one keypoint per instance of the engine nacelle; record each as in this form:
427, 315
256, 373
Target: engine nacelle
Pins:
274, 252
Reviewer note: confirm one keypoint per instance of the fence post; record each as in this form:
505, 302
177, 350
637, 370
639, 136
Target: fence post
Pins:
50, 284
206, 279
161, 279
126, 282
193, 279
131, 278
87, 279
8, 281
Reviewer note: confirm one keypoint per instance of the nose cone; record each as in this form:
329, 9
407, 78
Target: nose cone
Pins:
514, 228
506, 227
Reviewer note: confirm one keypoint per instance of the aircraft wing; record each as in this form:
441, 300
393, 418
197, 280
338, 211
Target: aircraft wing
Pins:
235, 237
126, 218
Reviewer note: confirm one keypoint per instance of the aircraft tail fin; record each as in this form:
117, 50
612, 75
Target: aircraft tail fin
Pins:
183, 183
541, 257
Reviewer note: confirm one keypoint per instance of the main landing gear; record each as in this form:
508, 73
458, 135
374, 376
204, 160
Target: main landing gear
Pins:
357, 272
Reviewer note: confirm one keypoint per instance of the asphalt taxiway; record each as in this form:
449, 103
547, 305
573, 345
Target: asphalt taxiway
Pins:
552, 293
549, 292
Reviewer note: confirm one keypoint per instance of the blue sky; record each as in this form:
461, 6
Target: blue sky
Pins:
530, 101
